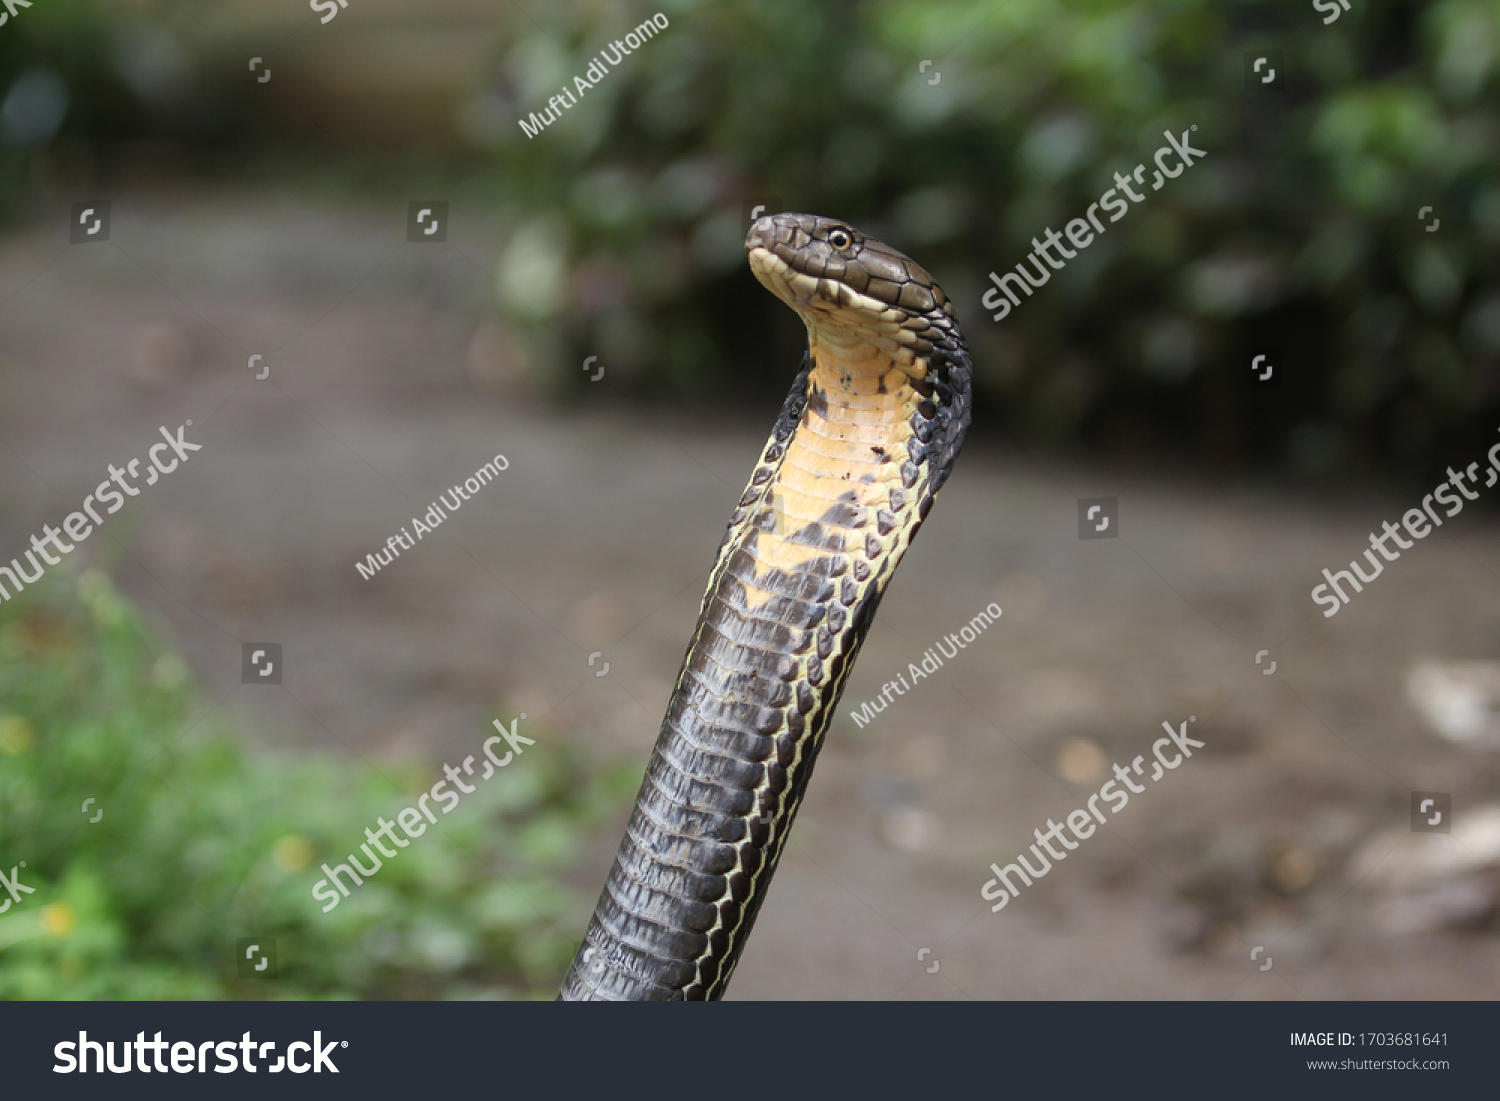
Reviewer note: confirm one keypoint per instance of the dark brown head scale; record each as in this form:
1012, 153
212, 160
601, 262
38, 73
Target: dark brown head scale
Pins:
826, 248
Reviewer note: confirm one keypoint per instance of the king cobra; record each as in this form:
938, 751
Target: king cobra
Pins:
866, 438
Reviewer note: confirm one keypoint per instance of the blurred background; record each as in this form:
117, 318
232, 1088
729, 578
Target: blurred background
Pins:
587, 312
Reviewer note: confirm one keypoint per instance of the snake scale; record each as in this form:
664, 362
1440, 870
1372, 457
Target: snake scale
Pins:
866, 438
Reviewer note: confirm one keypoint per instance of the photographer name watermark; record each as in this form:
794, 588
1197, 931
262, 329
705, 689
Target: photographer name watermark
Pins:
932, 661
436, 514
599, 66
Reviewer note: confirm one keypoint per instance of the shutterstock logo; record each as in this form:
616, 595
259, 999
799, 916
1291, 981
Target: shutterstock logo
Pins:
757, 208
85, 1056
1098, 517
13, 886
90, 220
327, 8
260, 663
426, 222
10, 9
1431, 812
256, 957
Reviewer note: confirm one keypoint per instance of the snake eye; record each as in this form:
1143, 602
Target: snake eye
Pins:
839, 239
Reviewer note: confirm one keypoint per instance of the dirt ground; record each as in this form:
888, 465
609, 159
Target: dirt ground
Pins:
385, 388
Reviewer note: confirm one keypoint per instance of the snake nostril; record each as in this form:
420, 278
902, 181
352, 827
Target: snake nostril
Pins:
762, 231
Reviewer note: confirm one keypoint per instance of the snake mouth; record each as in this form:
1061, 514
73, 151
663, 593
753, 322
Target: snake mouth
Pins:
814, 265
822, 263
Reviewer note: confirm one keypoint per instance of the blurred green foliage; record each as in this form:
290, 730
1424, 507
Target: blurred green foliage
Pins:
203, 841
62, 95
1297, 238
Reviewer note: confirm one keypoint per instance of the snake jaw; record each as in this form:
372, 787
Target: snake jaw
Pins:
817, 299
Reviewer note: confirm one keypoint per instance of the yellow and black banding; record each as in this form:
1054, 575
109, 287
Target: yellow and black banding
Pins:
867, 436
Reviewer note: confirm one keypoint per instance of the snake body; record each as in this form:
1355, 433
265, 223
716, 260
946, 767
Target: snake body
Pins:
866, 438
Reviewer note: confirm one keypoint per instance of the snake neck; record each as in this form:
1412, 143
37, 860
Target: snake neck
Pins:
840, 490
843, 466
